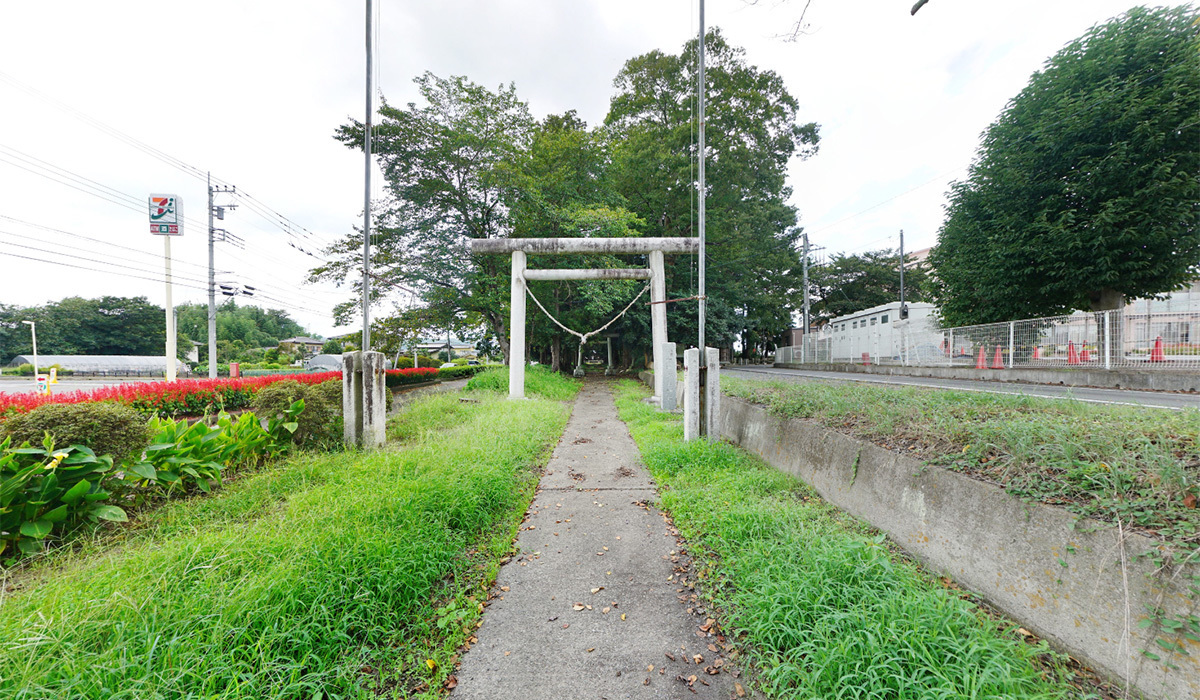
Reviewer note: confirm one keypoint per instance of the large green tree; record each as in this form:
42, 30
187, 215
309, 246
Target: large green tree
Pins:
566, 191
751, 133
849, 283
448, 168
1086, 190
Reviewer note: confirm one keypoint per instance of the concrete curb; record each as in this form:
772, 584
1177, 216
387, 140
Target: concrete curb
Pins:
1058, 574
1149, 380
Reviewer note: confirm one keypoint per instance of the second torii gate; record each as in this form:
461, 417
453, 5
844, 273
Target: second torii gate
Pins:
520, 248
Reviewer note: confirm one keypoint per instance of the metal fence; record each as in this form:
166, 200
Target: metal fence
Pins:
1108, 339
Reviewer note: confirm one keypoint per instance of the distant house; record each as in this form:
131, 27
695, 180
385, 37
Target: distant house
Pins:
102, 364
459, 348
310, 346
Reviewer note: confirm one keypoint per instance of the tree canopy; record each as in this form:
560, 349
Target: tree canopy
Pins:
470, 163
751, 135
1085, 191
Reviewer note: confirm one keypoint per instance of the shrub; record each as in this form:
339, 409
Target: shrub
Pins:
331, 393
405, 377
106, 427
460, 371
314, 424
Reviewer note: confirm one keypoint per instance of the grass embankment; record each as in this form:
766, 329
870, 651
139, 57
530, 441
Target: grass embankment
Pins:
343, 575
821, 606
539, 381
1141, 465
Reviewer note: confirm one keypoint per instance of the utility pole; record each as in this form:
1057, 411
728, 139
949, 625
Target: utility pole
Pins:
219, 212
806, 322
700, 189
903, 311
366, 283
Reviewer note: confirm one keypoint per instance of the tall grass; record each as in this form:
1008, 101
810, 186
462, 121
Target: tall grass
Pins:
539, 381
823, 608
331, 576
1109, 462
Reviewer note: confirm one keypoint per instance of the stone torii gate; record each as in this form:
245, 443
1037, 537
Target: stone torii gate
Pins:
520, 248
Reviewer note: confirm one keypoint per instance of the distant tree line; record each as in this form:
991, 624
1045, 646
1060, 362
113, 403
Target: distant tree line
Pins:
134, 326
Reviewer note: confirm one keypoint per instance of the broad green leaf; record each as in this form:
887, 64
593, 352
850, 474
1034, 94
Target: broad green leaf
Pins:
36, 529
111, 513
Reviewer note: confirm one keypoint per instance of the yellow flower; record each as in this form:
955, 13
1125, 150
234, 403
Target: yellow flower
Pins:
57, 458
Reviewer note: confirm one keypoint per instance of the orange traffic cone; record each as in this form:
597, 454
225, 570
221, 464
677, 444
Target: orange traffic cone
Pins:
1072, 356
1156, 355
981, 363
1037, 352
1085, 355
998, 360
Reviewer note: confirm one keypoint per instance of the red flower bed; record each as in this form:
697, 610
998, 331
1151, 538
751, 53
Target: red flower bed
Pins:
183, 397
413, 375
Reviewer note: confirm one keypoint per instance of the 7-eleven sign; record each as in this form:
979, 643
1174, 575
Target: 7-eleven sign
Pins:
166, 215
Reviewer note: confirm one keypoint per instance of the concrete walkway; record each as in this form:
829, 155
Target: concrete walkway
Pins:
596, 604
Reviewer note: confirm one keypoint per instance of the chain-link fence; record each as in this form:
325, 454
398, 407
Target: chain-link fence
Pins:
1105, 339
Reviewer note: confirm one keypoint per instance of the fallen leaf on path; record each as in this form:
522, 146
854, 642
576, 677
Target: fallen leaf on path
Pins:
670, 656
737, 688
597, 590
712, 647
698, 659
577, 607
604, 610
591, 649
650, 668
622, 617
504, 588
451, 683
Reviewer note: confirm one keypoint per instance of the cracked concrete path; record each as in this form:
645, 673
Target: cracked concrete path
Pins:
548, 632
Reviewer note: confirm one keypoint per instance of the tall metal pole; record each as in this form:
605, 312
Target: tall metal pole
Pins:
171, 354
366, 283
212, 289
806, 321
901, 268
700, 192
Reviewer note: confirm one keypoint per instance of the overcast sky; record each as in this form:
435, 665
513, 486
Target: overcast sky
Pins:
252, 91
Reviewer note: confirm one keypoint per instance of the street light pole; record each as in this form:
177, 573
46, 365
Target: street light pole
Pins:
33, 330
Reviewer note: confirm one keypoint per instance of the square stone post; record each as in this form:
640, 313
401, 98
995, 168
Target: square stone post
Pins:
658, 319
691, 394
670, 378
364, 399
516, 328
712, 394
608, 342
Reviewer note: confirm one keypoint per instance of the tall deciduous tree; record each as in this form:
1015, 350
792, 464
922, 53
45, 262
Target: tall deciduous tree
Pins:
751, 135
1085, 191
448, 168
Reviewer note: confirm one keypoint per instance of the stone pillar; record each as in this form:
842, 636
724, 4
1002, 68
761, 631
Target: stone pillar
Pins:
608, 341
579, 364
712, 394
670, 378
516, 326
364, 399
658, 319
691, 394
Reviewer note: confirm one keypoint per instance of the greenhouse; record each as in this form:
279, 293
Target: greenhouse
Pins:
102, 364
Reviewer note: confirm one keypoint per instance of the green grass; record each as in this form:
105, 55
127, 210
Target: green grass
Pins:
822, 607
539, 381
327, 576
1136, 464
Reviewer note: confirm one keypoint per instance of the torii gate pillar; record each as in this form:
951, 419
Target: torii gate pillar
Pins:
658, 321
516, 329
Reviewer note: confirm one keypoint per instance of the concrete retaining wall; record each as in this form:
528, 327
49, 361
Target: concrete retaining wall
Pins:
1057, 574
1150, 380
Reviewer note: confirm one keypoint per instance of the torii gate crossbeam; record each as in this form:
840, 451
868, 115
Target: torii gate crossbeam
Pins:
519, 248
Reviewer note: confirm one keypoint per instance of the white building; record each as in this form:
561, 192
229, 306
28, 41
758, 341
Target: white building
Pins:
877, 332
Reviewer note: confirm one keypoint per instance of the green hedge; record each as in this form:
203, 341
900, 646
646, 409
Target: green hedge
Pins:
107, 427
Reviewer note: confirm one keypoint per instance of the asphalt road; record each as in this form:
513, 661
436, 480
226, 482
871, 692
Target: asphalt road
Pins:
25, 385
1151, 399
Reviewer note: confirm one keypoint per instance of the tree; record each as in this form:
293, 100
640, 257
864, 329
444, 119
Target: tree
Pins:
448, 167
850, 283
566, 190
332, 347
751, 135
1085, 191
